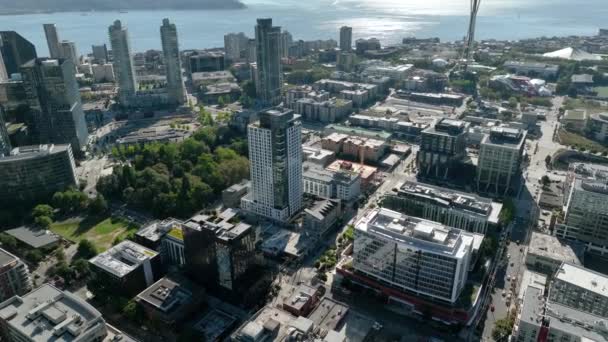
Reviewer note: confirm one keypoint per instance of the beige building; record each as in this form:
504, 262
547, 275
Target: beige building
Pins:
546, 253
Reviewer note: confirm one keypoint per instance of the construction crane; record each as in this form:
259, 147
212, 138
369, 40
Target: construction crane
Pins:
470, 39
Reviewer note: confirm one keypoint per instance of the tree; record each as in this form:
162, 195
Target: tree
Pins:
545, 181
221, 102
132, 311
513, 102
86, 249
82, 268
507, 213
59, 254
34, 256
8, 241
190, 334
42, 210
548, 160
98, 205
43, 221
503, 328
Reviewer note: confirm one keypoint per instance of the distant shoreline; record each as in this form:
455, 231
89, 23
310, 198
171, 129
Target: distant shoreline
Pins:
238, 6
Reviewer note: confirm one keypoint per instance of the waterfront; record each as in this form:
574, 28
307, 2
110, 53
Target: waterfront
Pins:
388, 20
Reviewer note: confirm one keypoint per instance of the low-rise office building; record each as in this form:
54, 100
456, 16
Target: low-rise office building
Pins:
413, 255
128, 266
321, 216
355, 148
575, 120
454, 209
546, 253
326, 111
170, 299
35, 173
15, 277
342, 184
231, 197
403, 129
49, 314
532, 69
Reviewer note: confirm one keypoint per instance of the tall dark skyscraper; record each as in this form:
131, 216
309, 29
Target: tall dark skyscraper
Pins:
270, 78
173, 64
346, 38
15, 51
52, 39
55, 105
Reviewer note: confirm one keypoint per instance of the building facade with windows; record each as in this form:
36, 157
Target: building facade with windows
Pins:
413, 255
173, 63
442, 147
15, 277
500, 156
275, 156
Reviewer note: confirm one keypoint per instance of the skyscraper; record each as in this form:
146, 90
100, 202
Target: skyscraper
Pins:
270, 78
275, 155
286, 41
500, 156
234, 44
56, 109
173, 65
15, 51
68, 51
5, 144
52, 39
123, 62
346, 38
3, 73
100, 53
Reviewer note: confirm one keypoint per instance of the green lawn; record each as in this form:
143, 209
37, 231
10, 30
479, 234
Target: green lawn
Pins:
601, 91
579, 141
100, 231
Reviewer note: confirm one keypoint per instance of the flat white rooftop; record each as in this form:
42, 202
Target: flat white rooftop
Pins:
584, 278
123, 258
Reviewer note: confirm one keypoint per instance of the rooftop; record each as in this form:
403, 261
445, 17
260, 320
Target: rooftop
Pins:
31, 152
215, 323
156, 230
450, 198
123, 258
265, 321
6, 258
532, 310
549, 246
589, 177
583, 278
578, 323
575, 114
169, 294
34, 237
225, 226
321, 208
328, 315
49, 314
447, 127
365, 171
505, 136
409, 230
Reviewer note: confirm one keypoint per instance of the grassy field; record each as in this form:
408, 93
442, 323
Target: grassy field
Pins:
601, 91
579, 141
101, 231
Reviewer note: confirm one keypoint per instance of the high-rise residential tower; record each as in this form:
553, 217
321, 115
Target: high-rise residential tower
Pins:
123, 62
15, 51
275, 154
68, 51
270, 78
234, 45
52, 39
346, 38
173, 65
5, 144
100, 53
56, 108
3, 73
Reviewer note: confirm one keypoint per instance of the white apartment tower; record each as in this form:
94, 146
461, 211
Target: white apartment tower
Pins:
123, 62
275, 155
173, 65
